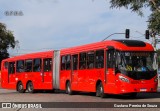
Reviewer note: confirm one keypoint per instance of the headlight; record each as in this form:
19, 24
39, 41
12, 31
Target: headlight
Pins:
124, 79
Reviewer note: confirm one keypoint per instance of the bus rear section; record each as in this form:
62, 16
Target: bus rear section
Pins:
4, 76
31, 72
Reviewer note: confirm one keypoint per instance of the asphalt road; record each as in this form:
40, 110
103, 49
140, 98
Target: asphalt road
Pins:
60, 96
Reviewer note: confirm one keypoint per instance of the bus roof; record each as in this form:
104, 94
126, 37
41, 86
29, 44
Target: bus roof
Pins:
122, 45
31, 55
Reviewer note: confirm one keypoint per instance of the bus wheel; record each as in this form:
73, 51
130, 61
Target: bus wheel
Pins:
68, 89
20, 88
30, 87
100, 91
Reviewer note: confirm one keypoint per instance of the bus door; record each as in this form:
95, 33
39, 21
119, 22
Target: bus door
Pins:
4, 74
37, 69
82, 73
11, 73
110, 67
74, 72
47, 71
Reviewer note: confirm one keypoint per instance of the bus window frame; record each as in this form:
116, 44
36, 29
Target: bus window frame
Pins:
63, 65
83, 66
6, 64
50, 64
9, 72
89, 64
23, 66
68, 62
100, 61
40, 65
72, 63
26, 65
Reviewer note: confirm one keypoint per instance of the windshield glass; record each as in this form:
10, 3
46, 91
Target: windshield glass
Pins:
136, 61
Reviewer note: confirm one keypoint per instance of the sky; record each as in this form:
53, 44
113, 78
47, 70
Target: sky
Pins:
57, 24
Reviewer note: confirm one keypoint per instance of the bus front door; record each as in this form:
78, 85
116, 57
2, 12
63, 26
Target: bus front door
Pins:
110, 71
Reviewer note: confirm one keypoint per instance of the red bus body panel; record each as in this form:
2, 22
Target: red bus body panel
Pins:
10, 81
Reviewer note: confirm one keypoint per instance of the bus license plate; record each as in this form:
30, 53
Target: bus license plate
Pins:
143, 90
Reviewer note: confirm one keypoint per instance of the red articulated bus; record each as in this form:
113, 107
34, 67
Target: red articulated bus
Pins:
107, 67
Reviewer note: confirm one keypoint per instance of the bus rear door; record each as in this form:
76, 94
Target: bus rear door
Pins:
11, 75
4, 74
47, 73
74, 72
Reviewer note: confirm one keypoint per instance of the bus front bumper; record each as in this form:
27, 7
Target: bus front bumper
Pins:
130, 88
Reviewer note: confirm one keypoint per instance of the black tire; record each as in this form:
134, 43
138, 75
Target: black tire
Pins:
20, 87
68, 89
100, 91
30, 87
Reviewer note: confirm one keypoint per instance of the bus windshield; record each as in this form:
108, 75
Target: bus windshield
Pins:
136, 61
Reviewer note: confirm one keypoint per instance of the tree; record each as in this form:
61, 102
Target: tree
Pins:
137, 5
7, 40
154, 22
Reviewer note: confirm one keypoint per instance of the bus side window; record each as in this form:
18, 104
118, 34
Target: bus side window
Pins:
6, 65
11, 69
20, 66
75, 61
90, 60
99, 59
47, 64
82, 64
68, 62
37, 65
28, 66
63, 61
